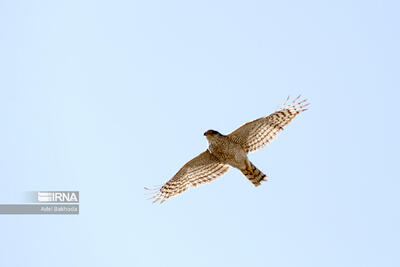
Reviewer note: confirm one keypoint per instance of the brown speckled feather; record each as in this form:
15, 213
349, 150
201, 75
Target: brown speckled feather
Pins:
202, 169
258, 133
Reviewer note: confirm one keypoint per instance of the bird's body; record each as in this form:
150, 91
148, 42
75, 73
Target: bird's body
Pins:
231, 150
226, 150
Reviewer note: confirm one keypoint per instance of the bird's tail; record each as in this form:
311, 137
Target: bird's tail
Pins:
253, 174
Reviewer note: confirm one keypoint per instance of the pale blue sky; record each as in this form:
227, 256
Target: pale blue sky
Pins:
107, 97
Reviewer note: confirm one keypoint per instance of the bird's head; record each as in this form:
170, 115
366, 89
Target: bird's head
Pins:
211, 134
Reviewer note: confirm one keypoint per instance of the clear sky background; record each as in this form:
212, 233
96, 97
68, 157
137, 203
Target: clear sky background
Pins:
107, 97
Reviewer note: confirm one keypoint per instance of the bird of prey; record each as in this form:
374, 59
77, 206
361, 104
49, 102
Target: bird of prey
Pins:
231, 150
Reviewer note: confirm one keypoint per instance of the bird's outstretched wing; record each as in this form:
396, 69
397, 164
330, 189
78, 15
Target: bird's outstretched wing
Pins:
202, 169
256, 134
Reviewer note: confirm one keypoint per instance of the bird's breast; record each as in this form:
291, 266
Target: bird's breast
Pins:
228, 152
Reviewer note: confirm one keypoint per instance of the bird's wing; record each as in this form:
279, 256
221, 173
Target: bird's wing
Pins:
202, 169
258, 133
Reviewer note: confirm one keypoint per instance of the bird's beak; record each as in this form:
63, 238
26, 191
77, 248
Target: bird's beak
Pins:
205, 133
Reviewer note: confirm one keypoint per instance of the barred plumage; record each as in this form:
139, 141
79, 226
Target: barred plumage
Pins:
202, 169
258, 133
231, 150
254, 174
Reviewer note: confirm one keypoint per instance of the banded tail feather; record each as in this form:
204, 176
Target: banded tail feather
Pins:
254, 174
